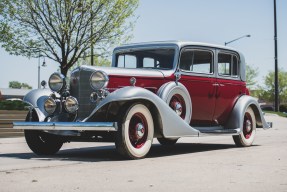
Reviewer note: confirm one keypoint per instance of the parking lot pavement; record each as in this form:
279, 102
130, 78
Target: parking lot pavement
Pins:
194, 164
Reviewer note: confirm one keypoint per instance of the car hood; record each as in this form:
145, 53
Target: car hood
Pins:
114, 71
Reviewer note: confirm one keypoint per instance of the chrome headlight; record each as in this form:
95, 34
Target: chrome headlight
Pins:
71, 105
50, 105
99, 80
56, 82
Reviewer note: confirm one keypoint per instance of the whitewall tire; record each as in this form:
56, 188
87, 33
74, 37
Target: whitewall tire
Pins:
135, 134
247, 135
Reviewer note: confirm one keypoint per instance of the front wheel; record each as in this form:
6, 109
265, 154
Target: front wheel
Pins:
43, 143
135, 134
247, 135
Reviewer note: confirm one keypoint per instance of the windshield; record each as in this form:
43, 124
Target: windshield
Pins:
148, 58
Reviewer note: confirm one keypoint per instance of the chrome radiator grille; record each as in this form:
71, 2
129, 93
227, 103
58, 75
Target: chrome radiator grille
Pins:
81, 89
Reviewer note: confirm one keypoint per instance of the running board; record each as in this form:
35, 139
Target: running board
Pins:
217, 130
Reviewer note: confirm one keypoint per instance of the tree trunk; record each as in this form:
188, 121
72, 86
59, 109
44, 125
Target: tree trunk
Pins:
64, 71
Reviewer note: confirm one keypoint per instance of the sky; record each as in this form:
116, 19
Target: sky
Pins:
206, 21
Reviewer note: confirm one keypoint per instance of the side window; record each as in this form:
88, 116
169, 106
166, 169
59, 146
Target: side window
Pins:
197, 61
228, 65
224, 64
127, 61
235, 69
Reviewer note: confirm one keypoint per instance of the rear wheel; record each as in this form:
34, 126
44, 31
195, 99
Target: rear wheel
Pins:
43, 143
247, 136
135, 134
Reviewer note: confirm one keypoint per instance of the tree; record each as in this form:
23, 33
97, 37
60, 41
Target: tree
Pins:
18, 85
251, 75
64, 30
267, 91
15, 85
25, 86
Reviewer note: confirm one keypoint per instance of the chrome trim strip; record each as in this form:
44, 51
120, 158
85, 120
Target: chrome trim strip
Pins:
75, 126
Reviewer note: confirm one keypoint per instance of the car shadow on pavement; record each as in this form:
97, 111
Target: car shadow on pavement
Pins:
108, 153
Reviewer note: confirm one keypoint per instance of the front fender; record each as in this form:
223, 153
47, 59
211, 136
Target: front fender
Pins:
36, 99
237, 115
172, 124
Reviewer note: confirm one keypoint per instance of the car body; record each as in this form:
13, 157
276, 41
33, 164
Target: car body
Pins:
163, 90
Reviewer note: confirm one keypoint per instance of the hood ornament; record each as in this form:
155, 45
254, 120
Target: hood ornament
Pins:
133, 81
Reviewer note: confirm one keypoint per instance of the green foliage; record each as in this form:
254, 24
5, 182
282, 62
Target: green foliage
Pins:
64, 30
251, 75
15, 85
26, 86
12, 105
267, 91
283, 108
18, 85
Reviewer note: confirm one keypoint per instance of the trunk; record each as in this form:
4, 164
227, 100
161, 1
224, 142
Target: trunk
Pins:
64, 71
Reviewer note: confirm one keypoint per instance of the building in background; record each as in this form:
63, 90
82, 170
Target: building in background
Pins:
13, 94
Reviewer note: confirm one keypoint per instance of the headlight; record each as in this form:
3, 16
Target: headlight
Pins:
50, 105
56, 82
99, 80
71, 105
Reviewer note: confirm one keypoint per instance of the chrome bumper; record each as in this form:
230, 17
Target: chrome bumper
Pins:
64, 126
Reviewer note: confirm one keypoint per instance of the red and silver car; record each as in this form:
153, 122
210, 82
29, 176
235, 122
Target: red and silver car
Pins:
163, 90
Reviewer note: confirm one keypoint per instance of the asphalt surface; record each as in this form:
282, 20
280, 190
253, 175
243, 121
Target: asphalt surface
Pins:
194, 164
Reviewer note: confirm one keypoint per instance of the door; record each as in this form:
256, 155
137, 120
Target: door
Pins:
197, 75
229, 86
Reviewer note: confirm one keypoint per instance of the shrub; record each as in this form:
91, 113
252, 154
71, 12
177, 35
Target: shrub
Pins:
12, 105
283, 108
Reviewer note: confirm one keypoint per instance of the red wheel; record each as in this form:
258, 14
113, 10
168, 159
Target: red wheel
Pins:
247, 135
177, 103
138, 130
135, 135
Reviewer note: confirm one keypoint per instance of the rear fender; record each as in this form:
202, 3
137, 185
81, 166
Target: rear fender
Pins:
172, 124
237, 115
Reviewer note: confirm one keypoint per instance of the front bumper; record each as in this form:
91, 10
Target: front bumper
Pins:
67, 126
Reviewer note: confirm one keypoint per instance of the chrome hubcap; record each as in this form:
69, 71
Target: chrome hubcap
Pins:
248, 125
140, 130
178, 108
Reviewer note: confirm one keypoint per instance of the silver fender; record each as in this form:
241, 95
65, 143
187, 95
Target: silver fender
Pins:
237, 115
36, 99
173, 125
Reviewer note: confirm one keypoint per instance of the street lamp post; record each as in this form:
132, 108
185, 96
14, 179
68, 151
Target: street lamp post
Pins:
276, 99
225, 43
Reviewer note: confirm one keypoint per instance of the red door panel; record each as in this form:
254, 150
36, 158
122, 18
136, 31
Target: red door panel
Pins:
202, 92
228, 91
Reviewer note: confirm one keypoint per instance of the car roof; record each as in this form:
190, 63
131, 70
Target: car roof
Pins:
172, 43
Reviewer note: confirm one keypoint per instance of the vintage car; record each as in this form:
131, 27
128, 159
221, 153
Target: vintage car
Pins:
163, 90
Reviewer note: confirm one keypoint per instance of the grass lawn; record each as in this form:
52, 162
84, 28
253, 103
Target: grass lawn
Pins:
278, 113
